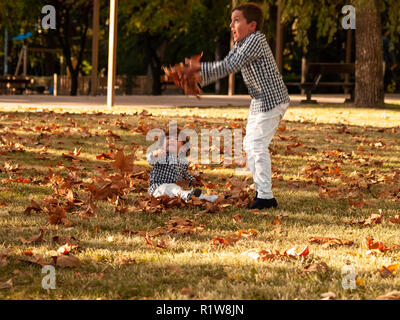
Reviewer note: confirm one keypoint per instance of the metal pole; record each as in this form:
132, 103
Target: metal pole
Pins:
5, 51
19, 61
55, 85
112, 57
25, 59
303, 71
95, 46
231, 80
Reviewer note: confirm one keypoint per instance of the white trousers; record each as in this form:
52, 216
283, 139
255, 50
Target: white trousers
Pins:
260, 130
173, 190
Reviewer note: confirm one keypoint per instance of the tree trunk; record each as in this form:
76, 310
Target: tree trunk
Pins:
156, 73
74, 84
156, 57
369, 91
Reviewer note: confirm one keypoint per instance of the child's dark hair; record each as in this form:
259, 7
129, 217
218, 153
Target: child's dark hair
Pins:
252, 12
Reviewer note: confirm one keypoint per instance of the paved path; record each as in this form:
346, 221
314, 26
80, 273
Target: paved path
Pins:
166, 101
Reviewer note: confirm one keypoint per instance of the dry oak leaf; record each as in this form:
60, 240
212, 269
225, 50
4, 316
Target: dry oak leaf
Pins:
36, 259
34, 239
327, 241
234, 237
227, 240
265, 255
373, 219
66, 261
375, 246
389, 270
158, 244
183, 225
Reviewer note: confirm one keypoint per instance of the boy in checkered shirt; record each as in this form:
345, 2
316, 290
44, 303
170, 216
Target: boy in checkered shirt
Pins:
170, 166
252, 56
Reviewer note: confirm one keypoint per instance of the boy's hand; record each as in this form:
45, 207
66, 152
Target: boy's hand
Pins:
192, 65
159, 153
186, 75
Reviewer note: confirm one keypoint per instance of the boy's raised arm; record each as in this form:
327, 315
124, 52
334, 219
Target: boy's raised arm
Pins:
238, 57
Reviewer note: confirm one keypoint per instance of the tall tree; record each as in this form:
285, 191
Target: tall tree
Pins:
73, 21
157, 22
369, 90
369, 74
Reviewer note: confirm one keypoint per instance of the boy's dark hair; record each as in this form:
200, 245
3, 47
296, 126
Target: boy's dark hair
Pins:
252, 12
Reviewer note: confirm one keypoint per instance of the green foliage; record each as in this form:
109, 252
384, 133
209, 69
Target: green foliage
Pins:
158, 16
325, 17
391, 19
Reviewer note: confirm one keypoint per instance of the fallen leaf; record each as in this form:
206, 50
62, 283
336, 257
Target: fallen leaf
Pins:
389, 270
158, 244
66, 261
36, 259
276, 222
34, 239
393, 295
237, 218
395, 219
34, 206
377, 246
67, 248
327, 241
266, 255
64, 239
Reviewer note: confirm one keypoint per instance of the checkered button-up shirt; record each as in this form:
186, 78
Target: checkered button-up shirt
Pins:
167, 169
253, 57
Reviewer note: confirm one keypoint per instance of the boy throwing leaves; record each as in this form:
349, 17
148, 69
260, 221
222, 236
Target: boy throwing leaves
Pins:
252, 56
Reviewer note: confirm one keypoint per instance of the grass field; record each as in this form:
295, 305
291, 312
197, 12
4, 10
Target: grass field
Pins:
332, 165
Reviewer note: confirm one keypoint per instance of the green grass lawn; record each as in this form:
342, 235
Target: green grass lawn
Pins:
331, 164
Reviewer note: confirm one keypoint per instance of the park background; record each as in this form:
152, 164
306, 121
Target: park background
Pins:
157, 32
74, 180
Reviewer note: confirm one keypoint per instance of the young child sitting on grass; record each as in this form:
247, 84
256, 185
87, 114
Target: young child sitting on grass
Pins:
170, 167
252, 56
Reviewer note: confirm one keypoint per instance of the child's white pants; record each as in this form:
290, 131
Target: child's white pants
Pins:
260, 130
173, 190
